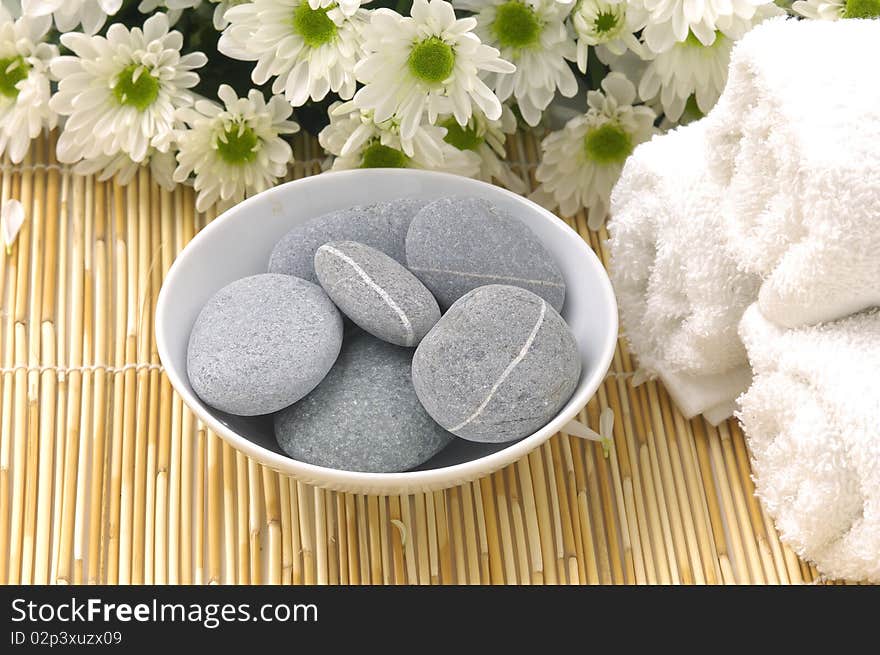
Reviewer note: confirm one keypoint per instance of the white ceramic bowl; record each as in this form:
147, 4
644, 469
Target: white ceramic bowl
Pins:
238, 243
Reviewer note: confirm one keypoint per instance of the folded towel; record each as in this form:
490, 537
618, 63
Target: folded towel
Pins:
796, 138
812, 418
680, 295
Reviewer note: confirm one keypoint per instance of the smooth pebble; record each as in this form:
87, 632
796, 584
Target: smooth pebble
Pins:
498, 366
376, 292
382, 225
261, 343
458, 244
364, 416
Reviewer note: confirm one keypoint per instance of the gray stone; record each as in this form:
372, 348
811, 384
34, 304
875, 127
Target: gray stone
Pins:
383, 226
262, 343
364, 416
498, 366
376, 292
458, 244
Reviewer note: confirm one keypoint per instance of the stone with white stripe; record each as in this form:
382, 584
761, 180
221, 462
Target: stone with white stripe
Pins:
364, 416
376, 292
498, 366
458, 244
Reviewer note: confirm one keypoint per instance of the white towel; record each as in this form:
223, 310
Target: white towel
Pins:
812, 418
796, 136
680, 295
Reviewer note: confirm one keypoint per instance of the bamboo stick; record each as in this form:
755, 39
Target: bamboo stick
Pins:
154, 385
199, 506
319, 506
756, 521
215, 509
493, 541
591, 565
123, 275
342, 538
555, 513
600, 539
696, 496
398, 534
332, 545
230, 520
409, 540
421, 530
481, 533
242, 524
519, 532
457, 530
373, 540
273, 525
354, 563
286, 530
76, 549
470, 534
683, 568
506, 535
77, 419
295, 540
363, 544
701, 441
43, 314
305, 535
28, 410
566, 478
140, 420
10, 188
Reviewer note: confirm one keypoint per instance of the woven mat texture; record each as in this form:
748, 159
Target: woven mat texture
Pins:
105, 476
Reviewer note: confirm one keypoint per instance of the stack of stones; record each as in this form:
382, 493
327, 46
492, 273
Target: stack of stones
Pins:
381, 333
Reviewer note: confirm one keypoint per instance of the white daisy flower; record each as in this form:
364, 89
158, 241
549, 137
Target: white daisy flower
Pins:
24, 82
174, 8
582, 162
308, 51
236, 149
687, 69
220, 22
69, 14
609, 23
357, 141
836, 9
671, 21
123, 168
692, 75
120, 93
487, 139
428, 62
533, 35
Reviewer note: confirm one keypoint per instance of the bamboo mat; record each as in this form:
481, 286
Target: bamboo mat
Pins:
105, 476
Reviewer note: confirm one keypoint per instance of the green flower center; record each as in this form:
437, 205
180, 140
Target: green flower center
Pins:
12, 71
237, 144
463, 138
516, 25
377, 155
862, 9
608, 144
314, 26
432, 60
605, 22
135, 87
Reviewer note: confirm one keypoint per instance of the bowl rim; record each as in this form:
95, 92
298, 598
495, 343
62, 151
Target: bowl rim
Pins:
428, 479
